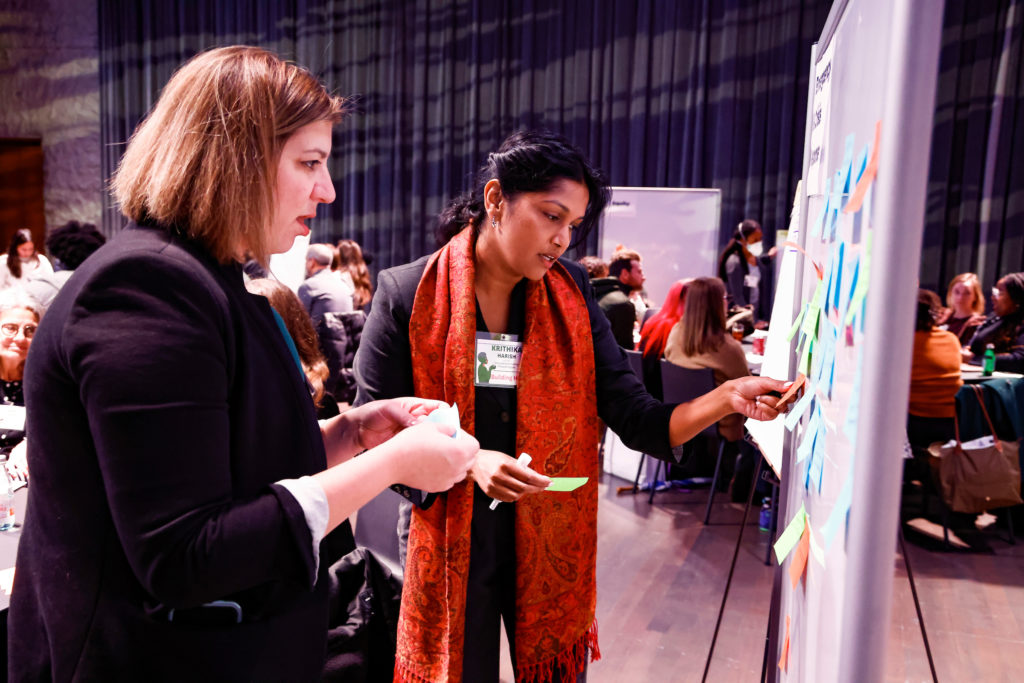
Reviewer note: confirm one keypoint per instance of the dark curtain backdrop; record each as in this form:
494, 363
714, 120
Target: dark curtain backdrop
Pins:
691, 94
975, 215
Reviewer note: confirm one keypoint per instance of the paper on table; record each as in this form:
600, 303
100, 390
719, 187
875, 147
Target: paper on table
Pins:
791, 535
799, 563
566, 483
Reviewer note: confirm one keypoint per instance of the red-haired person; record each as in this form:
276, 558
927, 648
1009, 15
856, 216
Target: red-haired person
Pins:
654, 334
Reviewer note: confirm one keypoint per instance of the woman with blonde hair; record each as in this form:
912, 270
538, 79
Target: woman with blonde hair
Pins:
966, 307
353, 270
185, 503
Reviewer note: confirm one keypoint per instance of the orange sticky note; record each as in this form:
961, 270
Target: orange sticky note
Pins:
866, 178
799, 562
784, 659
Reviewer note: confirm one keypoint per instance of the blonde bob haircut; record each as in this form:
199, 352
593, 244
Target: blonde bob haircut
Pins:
703, 321
969, 280
204, 161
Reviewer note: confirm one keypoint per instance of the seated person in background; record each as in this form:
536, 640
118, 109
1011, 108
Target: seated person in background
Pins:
934, 377
69, 245
966, 307
323, 292
300, 327
612, 294
739, 267
1004, 329
21, 261
628, 266
595, 265
19, 317
700, 340
655, 333
352, 268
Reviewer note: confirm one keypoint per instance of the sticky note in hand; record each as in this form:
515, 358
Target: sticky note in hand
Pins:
566, 483
448, 415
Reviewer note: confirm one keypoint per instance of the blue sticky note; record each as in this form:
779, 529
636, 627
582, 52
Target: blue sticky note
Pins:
819, 221
837, 516
800, 407
818, 456
846, 167
807, 443
448, 415
860, 165
837, 274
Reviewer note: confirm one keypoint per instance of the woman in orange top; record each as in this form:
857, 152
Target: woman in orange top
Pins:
934, 377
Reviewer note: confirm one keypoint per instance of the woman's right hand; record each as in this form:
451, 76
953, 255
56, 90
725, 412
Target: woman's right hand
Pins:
429, 459
500, 476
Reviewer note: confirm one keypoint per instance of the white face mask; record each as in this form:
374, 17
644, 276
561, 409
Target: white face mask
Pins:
755, 249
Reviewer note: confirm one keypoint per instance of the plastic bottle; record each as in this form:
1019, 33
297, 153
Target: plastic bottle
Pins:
764, 519
6, 501
990, 360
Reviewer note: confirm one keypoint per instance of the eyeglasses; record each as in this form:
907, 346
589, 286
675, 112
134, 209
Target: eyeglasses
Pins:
11, 330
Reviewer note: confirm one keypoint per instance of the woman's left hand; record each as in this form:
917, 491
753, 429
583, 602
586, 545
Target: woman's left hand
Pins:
378, 421
749, 396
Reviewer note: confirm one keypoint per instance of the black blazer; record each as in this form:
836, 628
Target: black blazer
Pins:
163, 404
383, 365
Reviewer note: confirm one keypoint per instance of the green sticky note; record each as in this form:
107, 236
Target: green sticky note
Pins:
566, 483
791, 535
796, 324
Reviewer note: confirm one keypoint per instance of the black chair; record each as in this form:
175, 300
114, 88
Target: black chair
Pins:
680, 385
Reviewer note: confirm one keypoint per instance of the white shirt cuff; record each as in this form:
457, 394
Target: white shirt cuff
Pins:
310, 496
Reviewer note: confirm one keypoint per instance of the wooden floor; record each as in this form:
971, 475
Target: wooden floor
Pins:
661, 575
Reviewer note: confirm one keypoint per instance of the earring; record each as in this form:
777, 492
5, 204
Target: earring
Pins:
494, 223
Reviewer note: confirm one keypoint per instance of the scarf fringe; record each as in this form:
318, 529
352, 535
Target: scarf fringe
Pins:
403, 674
568, 663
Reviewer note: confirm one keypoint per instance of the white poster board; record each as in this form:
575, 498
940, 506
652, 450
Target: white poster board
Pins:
674, 229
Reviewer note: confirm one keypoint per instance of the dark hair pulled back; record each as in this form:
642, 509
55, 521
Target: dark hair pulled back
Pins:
527, 161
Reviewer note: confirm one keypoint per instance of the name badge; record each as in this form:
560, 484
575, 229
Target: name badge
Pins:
752, 280
12, 417
497, 360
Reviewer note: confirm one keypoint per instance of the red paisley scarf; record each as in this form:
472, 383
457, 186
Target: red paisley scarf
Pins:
555, 533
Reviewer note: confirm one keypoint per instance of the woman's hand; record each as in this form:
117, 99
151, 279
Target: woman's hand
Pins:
429, 459
748, 396
378, 421
501, 477
17, 461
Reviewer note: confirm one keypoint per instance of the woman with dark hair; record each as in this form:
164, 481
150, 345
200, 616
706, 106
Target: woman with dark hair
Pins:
1004, 329
499, 283
739, 266
655, 333
934, 376
185, 503
303, 335
21, 260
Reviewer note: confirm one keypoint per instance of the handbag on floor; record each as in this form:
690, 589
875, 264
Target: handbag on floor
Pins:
978, 475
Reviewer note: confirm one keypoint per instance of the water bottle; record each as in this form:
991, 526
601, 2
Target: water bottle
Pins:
764, 520
990, 360
6, 501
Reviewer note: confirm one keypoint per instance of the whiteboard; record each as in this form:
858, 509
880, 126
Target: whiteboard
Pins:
872, 87
674, 229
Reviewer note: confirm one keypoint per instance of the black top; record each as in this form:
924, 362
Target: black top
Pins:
1006, 334
383, 364
163, 405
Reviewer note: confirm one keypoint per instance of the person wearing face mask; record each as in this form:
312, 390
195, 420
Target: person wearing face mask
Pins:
21, 260
739, 267
1004, 329
500, 284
